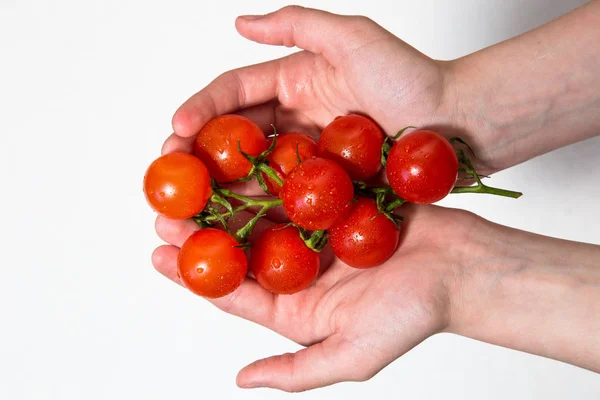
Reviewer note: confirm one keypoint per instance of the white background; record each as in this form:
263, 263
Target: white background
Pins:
87, 90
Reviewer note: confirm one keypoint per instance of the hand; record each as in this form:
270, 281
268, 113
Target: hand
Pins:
349, 64
355, 322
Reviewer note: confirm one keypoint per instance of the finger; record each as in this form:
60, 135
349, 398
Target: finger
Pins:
234, 90
263, 115
249, 301
317, 31
164, 260
177, 143
174, 232
321, 364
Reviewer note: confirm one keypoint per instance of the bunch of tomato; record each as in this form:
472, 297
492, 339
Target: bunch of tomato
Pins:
330, 189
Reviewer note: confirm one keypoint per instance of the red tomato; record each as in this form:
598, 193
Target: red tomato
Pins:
177, 185
283, 159
317, 193
366, 238
281, 262
422, 167
354, 142
217, 146
210, 265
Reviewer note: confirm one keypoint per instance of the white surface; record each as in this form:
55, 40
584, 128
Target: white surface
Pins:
87, 90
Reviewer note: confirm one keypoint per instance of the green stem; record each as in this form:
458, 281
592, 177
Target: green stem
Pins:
396, 203
270, 173
481, 188
249, 202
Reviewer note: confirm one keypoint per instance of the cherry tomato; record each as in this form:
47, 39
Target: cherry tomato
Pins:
317, 193
283, 159
177, 185
281, 262
217, 146
354, 142
422, 167
210, 265
366, 238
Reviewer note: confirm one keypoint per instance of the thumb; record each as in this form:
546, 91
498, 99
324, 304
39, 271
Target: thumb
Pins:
317, 31
331, 361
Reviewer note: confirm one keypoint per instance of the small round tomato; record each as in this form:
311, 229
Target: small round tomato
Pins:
210, 265
284, 158
366, 238
422, 167
354, 142
317, 193
177, 185
217, 146
281, 262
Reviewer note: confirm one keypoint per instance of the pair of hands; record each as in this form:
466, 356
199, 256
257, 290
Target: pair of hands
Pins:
354, 322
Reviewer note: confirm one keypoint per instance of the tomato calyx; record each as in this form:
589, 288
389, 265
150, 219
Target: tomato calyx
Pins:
314, 240
261, 164
388, 143
466, 168
385, 198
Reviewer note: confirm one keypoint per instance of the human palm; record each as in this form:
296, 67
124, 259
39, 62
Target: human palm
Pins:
349, 317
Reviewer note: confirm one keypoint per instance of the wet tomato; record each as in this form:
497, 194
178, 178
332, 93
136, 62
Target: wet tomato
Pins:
281, 262
422, 167
217, 146
284, 158
177, 185
354, 142
317, 193
210, 265
366, 238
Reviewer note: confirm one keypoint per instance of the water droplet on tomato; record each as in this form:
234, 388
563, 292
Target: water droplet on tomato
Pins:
276, 263
200, 270
310, 186
162, 194
407, 148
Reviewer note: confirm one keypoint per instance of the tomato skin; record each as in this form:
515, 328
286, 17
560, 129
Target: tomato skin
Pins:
177, 185
366, 238
354, 142
217, 146
317, 193
422, 167
283, 159
281, 262
210, 265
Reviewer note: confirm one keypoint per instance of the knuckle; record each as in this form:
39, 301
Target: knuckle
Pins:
361, 375
292, 9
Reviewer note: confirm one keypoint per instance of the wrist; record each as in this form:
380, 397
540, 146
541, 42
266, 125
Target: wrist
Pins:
459, 115
530, 293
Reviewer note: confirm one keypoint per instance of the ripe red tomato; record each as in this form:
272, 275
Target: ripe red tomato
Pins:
354, 142
283, 159
366, 238
177, 185
422, 167
317, 193
210, 265
217, 146
281, 262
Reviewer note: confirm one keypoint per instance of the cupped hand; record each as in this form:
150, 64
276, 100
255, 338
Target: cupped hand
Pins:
354, 322
348, 64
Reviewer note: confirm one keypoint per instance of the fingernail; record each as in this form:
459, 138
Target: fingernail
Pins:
252, 17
